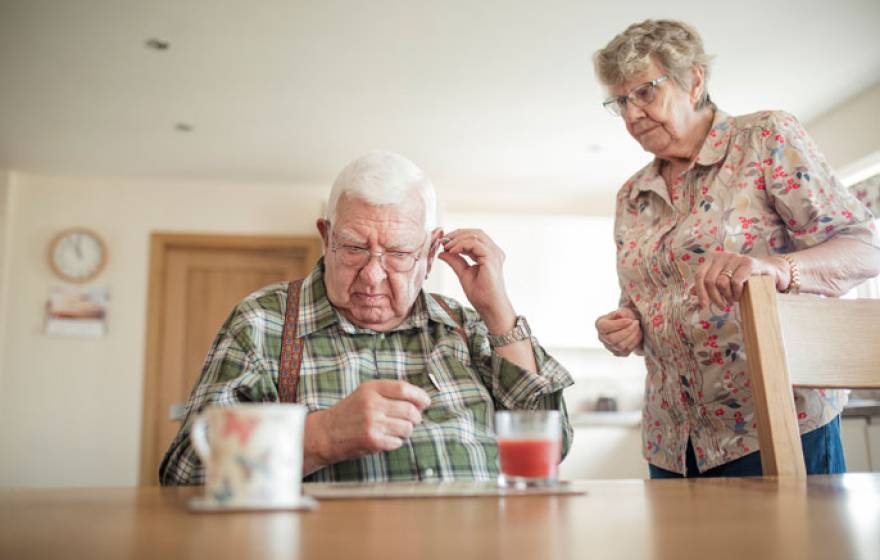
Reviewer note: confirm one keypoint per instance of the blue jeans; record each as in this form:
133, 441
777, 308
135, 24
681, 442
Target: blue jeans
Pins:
823, 454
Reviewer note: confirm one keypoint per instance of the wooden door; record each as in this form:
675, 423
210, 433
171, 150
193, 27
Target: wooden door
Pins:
195, 281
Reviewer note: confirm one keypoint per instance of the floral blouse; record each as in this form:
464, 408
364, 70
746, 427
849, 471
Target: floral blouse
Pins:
759, 186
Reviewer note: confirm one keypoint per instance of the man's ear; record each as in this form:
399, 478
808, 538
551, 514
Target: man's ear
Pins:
324, 230
434, 245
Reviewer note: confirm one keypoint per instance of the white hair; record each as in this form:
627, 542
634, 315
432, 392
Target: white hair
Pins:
384, 178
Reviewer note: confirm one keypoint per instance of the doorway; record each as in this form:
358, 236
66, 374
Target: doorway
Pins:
195, 282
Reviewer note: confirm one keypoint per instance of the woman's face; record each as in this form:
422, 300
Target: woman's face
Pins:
666, 127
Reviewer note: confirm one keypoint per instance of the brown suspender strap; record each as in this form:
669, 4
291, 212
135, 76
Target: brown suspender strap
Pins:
291, 347
459, 327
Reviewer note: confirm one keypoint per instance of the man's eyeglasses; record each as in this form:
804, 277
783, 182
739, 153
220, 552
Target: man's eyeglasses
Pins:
357, 257
640, 96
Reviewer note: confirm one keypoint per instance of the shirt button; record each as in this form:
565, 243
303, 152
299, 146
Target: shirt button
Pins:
429, 472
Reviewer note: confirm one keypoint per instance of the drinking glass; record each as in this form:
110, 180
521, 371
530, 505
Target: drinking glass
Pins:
529, 447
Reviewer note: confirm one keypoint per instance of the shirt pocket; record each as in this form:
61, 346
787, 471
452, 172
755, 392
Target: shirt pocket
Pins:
455, 388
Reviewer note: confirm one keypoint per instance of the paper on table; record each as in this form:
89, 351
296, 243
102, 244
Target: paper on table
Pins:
344, 490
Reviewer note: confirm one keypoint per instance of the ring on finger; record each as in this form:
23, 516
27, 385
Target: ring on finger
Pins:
728, 273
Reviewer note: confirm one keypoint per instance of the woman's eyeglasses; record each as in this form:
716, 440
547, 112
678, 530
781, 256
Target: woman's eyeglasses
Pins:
641, 96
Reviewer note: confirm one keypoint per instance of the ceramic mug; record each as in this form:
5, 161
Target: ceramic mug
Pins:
253, 454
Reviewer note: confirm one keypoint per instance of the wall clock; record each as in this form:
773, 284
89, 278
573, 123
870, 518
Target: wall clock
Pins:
77, 254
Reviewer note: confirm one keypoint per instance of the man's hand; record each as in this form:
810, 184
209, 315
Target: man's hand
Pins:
620, 331
483, 281
378, 416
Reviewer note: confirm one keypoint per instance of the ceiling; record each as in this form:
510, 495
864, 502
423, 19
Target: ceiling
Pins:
497, 95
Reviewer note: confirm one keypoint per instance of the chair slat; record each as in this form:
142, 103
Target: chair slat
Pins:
830, 342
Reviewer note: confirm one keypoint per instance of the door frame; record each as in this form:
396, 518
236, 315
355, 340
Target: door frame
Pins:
160, 244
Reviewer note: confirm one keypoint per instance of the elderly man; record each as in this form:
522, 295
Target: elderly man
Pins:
400, 385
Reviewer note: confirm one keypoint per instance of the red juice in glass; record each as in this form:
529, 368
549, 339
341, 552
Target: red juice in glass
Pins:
530, 458
529, 447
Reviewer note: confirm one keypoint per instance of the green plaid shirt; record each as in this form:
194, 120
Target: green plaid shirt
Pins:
455, 440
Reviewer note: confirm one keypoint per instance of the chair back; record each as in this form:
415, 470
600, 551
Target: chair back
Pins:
804, 341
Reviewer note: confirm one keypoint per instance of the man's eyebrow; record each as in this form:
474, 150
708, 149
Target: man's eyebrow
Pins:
346, 237
350, 238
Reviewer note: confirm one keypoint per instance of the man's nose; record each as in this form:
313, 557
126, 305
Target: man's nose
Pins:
373, 273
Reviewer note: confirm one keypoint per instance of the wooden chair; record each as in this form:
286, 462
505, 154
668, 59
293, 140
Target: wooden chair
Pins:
803, 341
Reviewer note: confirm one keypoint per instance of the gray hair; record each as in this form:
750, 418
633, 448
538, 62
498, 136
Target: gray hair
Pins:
384, 178
674, 45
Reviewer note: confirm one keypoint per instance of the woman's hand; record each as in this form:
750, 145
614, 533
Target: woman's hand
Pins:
620, 331
482, 281
722, 276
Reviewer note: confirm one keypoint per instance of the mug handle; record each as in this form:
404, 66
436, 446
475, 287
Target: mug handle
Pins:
199, 438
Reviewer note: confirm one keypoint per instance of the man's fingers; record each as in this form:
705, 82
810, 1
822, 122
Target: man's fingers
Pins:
472, 247
403, 391
403, 410
397, 428
388, 442
472, 242
455, 262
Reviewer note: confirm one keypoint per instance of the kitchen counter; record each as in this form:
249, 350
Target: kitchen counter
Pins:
622, 419
859, 408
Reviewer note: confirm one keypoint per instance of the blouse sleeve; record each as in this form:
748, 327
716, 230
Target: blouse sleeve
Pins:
804, 191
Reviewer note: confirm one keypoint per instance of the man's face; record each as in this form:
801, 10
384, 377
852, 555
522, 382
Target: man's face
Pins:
372, 296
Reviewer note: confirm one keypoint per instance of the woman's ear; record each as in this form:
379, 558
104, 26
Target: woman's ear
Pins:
698, 84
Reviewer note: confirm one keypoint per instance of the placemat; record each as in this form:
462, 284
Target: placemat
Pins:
348, 490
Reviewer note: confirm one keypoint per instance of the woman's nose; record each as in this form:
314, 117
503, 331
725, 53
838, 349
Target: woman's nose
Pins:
632, 112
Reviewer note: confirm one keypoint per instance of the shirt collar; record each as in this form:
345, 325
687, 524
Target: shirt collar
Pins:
315, 310
317, 313
712, 151
717, 140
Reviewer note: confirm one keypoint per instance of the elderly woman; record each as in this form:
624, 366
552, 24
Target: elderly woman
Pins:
725, 198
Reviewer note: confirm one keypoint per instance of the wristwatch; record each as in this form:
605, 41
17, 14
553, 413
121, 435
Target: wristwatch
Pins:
520, 331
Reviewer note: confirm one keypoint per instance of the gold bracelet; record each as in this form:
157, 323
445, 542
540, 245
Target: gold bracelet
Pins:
794, 274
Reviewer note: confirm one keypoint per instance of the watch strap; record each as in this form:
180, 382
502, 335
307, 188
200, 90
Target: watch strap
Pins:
518, 333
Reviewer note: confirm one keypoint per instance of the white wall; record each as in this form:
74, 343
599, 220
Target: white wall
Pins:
70, 409
849, 132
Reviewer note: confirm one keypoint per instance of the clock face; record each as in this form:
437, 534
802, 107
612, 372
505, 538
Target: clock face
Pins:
77, 255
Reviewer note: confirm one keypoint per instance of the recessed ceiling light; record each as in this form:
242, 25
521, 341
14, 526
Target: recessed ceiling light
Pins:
183, 127
157, 44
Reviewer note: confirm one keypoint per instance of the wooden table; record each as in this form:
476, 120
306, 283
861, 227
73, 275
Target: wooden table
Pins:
828, 517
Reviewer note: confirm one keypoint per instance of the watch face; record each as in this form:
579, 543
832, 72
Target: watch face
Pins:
77, 255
